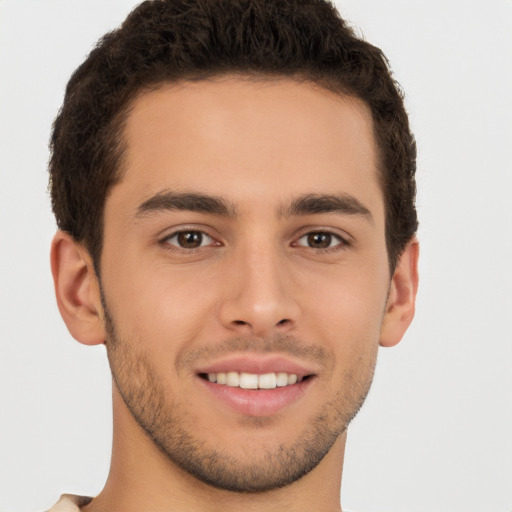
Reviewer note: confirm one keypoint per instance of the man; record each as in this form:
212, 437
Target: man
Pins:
233, 183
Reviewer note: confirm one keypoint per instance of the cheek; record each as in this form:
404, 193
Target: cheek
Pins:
348, 310
158, 304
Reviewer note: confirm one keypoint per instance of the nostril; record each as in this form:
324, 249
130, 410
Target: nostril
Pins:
283, 321
239, 322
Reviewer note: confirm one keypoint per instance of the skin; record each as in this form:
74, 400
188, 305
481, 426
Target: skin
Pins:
258, 285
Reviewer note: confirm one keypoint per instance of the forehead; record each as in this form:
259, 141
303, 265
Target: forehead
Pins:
243, 139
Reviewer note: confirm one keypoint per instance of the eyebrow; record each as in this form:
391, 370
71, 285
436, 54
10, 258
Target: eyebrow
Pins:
308, 204
325, 203
194, 202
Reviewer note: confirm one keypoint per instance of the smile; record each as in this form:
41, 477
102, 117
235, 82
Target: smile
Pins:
245, 380
256, 384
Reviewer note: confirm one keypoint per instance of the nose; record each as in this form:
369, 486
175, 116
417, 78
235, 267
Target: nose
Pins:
260, 298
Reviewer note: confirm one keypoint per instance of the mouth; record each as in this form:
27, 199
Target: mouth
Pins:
256, 386
245, 380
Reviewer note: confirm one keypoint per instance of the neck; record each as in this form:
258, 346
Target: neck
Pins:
143, 478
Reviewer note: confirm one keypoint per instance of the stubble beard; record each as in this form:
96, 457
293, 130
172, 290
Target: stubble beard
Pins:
170, 427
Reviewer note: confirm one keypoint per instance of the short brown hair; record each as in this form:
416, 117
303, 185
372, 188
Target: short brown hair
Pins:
175, 40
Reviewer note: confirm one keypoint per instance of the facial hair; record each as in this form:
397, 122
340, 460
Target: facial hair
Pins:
169, 425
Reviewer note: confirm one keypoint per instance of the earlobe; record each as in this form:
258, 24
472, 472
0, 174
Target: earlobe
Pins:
77, 290
400, 305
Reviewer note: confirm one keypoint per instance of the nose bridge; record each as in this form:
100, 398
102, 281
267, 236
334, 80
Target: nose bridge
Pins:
260, 299
264, 272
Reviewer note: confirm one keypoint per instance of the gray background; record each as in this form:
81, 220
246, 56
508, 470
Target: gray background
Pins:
435, 433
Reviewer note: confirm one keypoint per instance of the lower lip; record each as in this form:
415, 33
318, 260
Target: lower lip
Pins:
258, 402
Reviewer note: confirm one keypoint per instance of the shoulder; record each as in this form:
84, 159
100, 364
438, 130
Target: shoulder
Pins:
70, 503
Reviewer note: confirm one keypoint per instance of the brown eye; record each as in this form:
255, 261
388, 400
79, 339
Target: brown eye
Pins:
189, 239
320, 240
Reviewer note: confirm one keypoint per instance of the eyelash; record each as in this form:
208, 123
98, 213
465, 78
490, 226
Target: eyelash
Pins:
341, 244
166, 241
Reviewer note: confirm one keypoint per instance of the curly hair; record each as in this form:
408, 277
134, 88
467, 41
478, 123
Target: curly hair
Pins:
165, 41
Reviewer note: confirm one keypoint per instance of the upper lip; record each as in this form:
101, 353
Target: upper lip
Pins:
257, 364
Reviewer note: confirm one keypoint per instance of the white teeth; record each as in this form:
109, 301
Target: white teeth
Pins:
233, 379
267, 381
253, 380
282, 380
248, 381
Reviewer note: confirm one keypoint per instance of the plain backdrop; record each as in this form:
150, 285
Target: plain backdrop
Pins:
435, 432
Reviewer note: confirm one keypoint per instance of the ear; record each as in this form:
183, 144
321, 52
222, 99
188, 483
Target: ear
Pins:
77, 290
402, 296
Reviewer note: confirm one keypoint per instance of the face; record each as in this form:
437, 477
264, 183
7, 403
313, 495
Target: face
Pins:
244, 275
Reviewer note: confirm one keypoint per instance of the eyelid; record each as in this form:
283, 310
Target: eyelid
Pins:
334, 236
306, 230
206, 239
345, 240
172, 232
